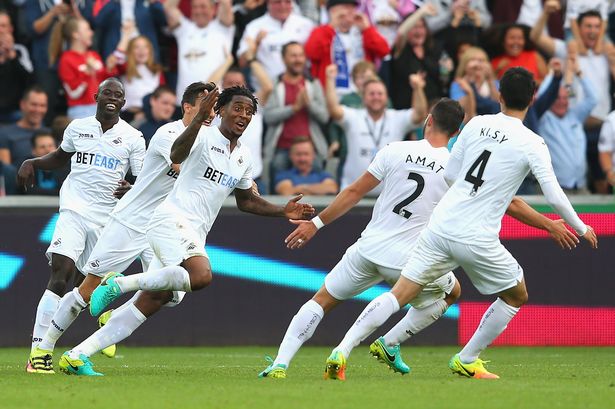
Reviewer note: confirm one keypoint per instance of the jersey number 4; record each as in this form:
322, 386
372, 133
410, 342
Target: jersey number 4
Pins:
477, 180
420, 185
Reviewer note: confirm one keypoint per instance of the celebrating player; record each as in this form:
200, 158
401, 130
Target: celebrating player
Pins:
101, 148
123, 238
214, 164
491, 158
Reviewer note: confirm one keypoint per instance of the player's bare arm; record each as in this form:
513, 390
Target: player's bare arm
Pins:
557, 229
248, 202
51, 161
342, 203
183, 144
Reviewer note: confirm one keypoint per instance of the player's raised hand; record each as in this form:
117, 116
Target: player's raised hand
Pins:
296, 210
207, 105
25, 175
561, 235
122, 188
590, 236
301, 235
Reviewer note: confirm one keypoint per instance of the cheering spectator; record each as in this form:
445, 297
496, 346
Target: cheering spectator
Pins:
346, 40
526, 12
574, 8
109, 19
467, 12
606, 147
562, 130
302, 177
140, 74
15, 139
295, 108
383, 15
414, 52
47, 182
371, 128
516, 52
474, 78
80, 69
271, 31
41, 16
15, 71
162, 102
203, 42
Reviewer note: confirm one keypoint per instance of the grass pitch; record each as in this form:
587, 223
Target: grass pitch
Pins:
225, 377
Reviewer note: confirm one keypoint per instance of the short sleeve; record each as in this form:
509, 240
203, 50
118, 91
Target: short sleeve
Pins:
378, 168
137, 155
607, 137
246, 180
161, 143
539, 161
68, 144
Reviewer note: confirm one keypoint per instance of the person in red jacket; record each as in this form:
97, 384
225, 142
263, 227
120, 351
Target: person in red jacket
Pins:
346, 40
80, 69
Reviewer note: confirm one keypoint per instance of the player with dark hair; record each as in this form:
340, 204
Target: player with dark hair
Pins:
101, 148
214, 164
123, 239
490, 159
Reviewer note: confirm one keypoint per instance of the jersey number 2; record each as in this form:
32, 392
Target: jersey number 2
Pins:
480, 163
420, 185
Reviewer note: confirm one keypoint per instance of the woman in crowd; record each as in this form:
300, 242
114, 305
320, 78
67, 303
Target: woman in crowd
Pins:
516, 51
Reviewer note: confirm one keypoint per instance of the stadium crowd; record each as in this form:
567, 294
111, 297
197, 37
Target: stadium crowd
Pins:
336, 80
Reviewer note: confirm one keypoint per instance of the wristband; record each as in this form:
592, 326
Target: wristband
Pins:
318, 223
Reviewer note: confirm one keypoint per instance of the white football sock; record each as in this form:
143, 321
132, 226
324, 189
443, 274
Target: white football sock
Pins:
494, 322
301, 328
47, 306
69, 309
415, 320
174, 278
373, 316
119, 327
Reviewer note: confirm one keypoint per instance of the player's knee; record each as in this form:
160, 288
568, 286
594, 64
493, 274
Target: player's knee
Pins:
58, 281
325, 300
201, 279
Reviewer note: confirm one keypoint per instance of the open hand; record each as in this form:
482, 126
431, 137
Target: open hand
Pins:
296, 210
562, 236
25, 175
301, 235
206, 105
590, 236
122, 189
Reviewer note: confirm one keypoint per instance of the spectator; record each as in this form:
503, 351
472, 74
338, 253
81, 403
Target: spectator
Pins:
295, 108
271, 31
369, 129
515, 51
145, 16
415, 51
562, 130
346, 40
606, 147
203, 42
474, 78
80, 69
58, 126
594, 62
140, 74
6, 27
15, 140
574, 8
526, 12
41, 16
47, 182
15, 74
162, 103
383, 15
302, 177
466, 11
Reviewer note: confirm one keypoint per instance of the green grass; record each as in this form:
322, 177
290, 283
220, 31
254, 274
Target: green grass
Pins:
225, 377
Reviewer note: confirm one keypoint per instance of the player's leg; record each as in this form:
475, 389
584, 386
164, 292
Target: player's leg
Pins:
492, 270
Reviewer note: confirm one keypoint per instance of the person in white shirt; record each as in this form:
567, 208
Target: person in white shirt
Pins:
371, 128
214, 163
101, 149
271, 31
203, 42
123, 238
490, 159
606, 148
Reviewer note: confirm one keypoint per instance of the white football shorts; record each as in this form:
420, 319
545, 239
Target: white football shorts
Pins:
491, 268
354, 274
74, 237
117, 247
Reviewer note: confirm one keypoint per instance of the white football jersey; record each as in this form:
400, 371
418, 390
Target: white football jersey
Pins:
155, 181
490, 159
99, 162
412, 175
209, 174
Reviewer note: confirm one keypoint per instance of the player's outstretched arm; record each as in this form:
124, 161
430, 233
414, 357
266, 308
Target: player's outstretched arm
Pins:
183, 144
557, 229
248, 202
51, 161
342, 203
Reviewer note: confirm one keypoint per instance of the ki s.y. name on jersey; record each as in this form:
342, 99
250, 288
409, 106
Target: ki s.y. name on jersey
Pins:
494, 134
